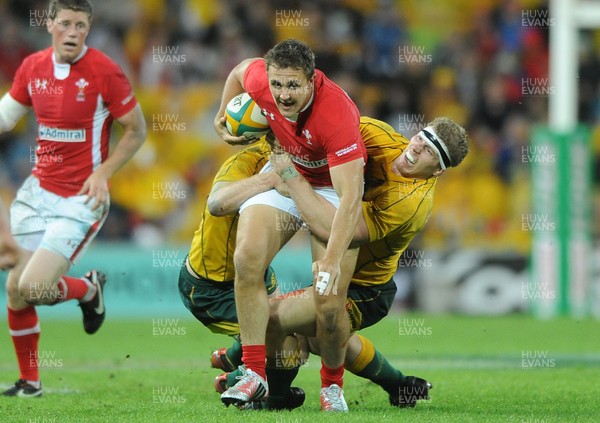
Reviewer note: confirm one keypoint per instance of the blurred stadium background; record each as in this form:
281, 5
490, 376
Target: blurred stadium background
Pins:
483, 63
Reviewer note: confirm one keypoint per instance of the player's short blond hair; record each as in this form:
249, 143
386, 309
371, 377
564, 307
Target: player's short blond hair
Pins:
75, 5
454, 137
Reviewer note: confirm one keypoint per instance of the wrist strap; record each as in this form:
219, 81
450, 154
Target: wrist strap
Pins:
288, 173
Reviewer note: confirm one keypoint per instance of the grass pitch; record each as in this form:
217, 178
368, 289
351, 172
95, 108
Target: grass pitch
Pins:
508, 369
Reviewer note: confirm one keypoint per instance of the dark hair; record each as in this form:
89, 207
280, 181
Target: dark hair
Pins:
454, 137
292, 53
75, 5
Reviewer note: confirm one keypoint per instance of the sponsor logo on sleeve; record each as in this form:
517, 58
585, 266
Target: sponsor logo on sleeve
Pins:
127, 99
346, 150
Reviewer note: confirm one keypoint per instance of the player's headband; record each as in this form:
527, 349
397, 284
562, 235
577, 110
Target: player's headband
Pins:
438, 145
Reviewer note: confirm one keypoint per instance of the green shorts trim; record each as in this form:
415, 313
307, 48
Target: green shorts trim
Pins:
367, 305
213, 303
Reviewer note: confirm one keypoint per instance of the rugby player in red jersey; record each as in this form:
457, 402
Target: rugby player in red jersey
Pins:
76, 93
318, 125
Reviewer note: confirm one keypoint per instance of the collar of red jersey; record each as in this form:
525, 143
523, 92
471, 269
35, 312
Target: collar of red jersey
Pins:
83, 51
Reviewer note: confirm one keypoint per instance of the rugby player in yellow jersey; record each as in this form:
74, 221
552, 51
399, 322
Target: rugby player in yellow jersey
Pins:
207, 276
399, 184
398, 198
206, 279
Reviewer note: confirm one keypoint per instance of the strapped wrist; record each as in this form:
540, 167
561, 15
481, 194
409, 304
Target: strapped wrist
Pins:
288, 173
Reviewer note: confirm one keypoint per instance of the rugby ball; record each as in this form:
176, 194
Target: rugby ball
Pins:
243, 117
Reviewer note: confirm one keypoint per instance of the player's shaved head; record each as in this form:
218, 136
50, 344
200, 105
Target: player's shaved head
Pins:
294, 54
75, 5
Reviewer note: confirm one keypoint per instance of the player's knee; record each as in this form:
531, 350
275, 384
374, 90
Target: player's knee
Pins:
12, 289
327, 303
28, 292
328, 319
36, 293
249, 261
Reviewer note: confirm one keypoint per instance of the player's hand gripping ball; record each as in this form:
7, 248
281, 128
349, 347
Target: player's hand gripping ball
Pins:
243, 117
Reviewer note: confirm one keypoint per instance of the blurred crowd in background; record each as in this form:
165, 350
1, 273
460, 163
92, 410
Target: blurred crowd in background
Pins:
401, 61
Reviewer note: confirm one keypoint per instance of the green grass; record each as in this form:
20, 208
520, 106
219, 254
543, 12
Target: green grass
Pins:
131, 371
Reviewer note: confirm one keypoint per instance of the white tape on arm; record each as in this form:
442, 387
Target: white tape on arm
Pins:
322, 282
10, 112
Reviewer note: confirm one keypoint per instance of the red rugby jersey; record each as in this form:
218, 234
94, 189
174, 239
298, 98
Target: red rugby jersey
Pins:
327, 134
75, 105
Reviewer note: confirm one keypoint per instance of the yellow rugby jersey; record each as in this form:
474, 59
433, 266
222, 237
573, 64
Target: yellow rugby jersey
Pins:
211, 252
395, 208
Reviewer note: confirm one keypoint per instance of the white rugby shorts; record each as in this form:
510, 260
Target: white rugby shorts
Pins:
64, 225
274, 199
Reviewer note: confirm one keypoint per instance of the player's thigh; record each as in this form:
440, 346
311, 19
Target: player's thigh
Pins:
262, 231
64, 225
44, 269
347, 268
64, 240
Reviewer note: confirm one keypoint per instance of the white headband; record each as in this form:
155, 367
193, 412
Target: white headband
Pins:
438, 145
